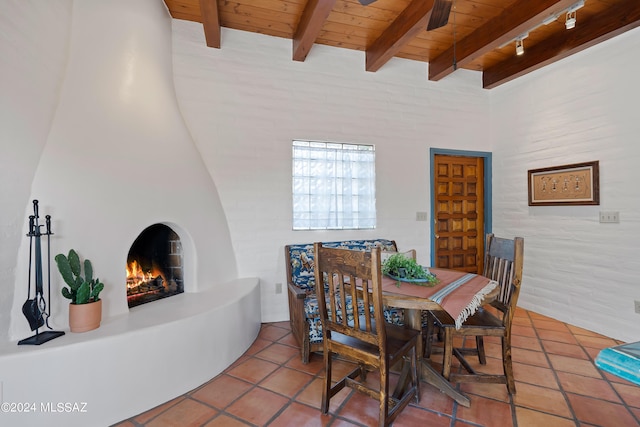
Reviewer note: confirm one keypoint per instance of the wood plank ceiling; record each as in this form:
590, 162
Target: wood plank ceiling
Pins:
480, 34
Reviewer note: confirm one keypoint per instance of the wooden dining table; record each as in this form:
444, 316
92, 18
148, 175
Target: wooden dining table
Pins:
458, 293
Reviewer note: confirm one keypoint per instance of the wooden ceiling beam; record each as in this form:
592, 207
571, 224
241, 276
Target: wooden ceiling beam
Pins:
517, 19
210, 22
413, 19
611, 22
313, 17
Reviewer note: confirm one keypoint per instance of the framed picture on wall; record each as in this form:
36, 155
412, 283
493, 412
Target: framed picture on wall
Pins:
575, 184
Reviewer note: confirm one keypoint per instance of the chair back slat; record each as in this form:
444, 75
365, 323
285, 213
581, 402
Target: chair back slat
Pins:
352, 304
332, 315
503, 263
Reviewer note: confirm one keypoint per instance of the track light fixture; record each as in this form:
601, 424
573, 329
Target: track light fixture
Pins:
570, 13
570, 21
520, 44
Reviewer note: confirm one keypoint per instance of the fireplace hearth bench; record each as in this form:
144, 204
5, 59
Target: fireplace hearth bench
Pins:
133, 362
303, 305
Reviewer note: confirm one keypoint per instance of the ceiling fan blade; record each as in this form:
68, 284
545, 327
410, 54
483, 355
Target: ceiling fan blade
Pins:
439, 14
366, 2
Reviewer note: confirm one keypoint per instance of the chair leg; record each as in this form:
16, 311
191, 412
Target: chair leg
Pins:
414, 373
305, 348
480, 347
428, 338
508, 365
326, 390
384, 397
448, 352
363, 372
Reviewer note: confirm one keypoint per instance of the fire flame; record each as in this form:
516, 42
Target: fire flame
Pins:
136, 276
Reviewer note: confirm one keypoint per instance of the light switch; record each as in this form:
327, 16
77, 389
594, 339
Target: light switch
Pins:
422, 216
610, 216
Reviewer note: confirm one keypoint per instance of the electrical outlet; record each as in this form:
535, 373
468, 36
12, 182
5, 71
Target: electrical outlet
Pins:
610, 216
422, 216
278, 288
637, 306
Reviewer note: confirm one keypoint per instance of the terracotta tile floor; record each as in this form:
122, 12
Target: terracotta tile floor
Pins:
557, 384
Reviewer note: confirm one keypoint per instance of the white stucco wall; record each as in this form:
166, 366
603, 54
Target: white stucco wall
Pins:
580, 109
246, 102
33, 56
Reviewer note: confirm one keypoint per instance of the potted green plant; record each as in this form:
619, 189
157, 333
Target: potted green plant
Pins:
85, 309
405, 269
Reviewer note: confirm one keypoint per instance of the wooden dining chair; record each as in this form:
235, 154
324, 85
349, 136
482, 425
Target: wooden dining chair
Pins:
365, 339
502, 263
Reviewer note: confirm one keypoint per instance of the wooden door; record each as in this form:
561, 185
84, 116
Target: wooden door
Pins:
458, 188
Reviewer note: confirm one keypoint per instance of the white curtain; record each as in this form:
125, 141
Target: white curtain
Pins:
333, 186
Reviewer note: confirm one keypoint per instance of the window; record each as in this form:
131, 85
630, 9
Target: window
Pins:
333, 186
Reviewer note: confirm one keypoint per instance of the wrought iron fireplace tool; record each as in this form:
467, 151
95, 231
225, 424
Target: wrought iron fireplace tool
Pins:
36, 309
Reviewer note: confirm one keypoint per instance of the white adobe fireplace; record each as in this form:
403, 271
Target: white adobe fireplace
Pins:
119, 158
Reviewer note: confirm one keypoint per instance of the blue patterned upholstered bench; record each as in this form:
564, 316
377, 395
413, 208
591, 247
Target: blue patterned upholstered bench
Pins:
303, 304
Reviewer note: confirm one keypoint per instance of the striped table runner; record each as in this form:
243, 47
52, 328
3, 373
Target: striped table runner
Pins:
458, 293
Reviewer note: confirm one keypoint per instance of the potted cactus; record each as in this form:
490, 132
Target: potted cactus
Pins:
85, 309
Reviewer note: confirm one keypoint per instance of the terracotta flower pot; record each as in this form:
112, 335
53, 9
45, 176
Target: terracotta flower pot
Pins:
85, 317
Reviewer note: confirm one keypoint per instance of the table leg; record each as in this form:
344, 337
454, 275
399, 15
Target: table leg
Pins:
427, 373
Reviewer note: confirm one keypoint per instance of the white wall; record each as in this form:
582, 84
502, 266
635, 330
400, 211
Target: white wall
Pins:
34, 37
246, 102
580, 109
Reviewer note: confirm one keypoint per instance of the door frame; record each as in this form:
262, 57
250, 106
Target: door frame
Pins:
488, 208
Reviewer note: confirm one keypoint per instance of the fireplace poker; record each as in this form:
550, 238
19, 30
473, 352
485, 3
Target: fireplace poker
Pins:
38, 255
31, 218
48, 223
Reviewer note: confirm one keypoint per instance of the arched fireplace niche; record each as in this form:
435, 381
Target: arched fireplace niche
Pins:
154, 266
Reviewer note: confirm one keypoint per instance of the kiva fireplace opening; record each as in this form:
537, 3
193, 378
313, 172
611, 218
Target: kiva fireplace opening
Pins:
154, 266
